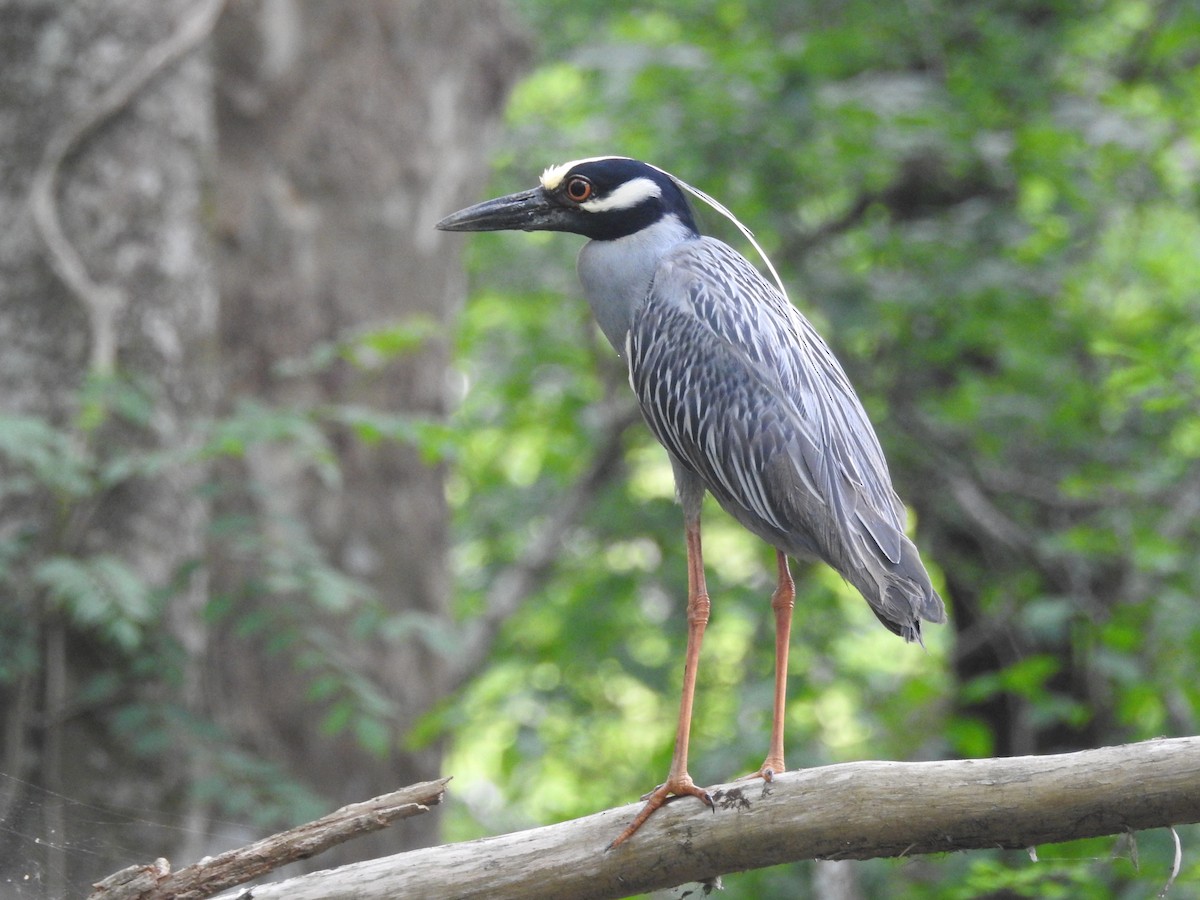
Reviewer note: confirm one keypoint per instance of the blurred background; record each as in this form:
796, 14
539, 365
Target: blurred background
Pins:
302, 501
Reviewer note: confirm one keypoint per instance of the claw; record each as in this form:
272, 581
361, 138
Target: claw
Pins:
649, 794
767, 771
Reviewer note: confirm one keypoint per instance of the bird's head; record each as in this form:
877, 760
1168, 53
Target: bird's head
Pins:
603, 198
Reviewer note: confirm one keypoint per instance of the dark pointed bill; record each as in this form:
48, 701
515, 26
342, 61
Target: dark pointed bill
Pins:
524, 211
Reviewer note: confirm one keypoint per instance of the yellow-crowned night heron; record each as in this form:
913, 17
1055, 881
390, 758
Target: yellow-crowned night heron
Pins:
747, 398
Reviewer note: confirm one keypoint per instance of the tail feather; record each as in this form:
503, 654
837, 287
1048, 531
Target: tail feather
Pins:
901, 594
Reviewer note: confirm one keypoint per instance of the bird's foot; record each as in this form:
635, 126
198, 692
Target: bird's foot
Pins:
677, 786
771, 767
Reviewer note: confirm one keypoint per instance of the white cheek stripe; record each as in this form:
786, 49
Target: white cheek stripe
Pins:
627, 196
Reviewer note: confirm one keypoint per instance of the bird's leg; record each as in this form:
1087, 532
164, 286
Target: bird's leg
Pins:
679, 782
782, 602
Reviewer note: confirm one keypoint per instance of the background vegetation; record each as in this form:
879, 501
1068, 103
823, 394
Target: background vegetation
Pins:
990, 209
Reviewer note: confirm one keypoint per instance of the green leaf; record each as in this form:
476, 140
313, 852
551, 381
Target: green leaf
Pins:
100, 593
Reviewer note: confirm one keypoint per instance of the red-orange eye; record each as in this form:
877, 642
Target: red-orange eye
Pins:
579, 188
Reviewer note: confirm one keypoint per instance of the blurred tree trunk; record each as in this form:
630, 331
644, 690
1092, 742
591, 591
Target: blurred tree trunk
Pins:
111, 285
345, 131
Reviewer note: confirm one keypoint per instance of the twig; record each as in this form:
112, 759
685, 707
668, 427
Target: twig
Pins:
1175, 866
800, 244
103, 302
216, 873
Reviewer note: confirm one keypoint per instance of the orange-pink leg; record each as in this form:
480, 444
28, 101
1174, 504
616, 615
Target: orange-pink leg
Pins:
679, 782
782, 602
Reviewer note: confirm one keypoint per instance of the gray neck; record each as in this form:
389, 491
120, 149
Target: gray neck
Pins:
616, 274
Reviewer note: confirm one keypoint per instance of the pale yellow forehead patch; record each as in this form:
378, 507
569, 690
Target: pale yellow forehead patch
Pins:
554, 175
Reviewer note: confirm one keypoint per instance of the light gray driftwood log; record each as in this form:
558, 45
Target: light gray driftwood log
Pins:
849, 811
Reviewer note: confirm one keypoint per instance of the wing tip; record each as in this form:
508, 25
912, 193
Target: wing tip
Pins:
926, 606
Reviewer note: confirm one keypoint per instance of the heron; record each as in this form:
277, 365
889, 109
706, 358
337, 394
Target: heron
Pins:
748, 400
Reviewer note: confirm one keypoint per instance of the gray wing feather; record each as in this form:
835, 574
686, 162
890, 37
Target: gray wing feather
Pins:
741, 390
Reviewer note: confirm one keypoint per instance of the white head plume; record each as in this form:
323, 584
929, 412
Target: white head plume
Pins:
721, 208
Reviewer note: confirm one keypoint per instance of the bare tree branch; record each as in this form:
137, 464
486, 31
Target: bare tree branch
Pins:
203, 879
850, 811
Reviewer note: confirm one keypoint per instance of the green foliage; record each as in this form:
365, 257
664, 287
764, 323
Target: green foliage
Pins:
991, 210
38, 455
99, 593
64, 468
58, 479
367, 350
